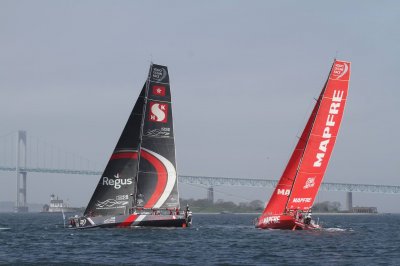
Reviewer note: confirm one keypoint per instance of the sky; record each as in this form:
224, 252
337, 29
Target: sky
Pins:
244, 75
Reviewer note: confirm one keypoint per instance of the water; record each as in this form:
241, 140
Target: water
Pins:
214, 239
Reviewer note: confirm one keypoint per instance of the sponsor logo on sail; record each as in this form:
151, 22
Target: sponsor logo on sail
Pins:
158, 90
330, 122
110, 220
111, 204
158, 74
302, 200
339, 70
117, 182
163, 132
158, 112
310, 182
122, 197
284, 192
271, 220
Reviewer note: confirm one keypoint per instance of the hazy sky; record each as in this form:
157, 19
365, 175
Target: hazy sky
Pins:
243, 78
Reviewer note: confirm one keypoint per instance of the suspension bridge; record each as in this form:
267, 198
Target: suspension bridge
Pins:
23, 155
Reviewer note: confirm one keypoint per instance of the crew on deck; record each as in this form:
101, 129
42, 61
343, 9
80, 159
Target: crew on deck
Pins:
307, 219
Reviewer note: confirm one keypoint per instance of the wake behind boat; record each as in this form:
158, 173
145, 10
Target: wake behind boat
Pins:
291, 202
139, 186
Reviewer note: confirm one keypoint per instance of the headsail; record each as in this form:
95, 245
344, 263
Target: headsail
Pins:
279, 198
303, 175
142, 168
113, 192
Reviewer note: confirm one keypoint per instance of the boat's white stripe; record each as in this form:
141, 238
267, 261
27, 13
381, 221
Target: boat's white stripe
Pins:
90, 221
139, 219
171, 178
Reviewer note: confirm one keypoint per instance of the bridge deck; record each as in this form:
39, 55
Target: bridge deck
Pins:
228, 181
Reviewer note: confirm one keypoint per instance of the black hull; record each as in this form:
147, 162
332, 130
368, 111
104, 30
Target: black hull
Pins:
134, 220
164, 223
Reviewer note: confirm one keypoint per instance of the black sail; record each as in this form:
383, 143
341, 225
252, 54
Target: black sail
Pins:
157, 178
149, 130
118, 181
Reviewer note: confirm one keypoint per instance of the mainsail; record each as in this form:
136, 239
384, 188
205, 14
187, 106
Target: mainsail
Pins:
157, 179
300, 182
142, 169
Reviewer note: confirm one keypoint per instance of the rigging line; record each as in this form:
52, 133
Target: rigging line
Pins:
219, 191
145, 100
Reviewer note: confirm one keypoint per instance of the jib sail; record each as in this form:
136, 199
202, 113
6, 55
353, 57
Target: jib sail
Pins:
277, 203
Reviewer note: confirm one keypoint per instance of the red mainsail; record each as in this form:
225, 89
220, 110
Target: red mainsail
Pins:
300, 182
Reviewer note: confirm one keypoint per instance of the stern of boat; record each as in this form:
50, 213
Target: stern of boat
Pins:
80, 222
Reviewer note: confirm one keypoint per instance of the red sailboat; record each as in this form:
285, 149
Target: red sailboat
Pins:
291, 202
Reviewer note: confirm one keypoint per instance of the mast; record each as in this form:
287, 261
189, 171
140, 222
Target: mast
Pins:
141, 135
321, 138
317, 106
311, 140
143, 161
156, 173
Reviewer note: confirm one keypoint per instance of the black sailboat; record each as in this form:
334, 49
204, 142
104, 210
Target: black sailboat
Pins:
139, 186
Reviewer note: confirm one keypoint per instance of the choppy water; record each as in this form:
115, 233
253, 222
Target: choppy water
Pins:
214, 239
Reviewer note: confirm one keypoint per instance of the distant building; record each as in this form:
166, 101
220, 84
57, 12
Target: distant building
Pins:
57, 205
365, 210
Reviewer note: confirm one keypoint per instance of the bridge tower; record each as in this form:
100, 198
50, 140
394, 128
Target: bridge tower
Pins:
210, 194
20, 169
349, 201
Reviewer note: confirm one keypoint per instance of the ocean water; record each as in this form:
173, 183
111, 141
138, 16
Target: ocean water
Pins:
224, 239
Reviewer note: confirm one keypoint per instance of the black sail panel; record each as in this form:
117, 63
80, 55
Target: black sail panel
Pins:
157, 178
113, 194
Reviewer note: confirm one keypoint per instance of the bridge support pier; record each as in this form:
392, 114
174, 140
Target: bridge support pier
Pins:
21, 202
349, 201
210, 194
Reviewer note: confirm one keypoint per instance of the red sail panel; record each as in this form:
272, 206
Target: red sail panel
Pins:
322, 138
278, 200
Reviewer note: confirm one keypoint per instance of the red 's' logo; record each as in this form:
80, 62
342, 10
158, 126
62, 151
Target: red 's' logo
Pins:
159, 90
158, 112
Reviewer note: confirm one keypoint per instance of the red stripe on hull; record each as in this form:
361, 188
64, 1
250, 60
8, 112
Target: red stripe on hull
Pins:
128, 221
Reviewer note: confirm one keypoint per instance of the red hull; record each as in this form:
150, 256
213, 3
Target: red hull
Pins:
276, 222
284, 222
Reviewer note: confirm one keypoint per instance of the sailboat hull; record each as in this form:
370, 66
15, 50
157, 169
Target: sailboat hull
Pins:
276, 222
133, 220
284, 222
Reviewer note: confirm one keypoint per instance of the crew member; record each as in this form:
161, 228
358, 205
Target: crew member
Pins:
307, 219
